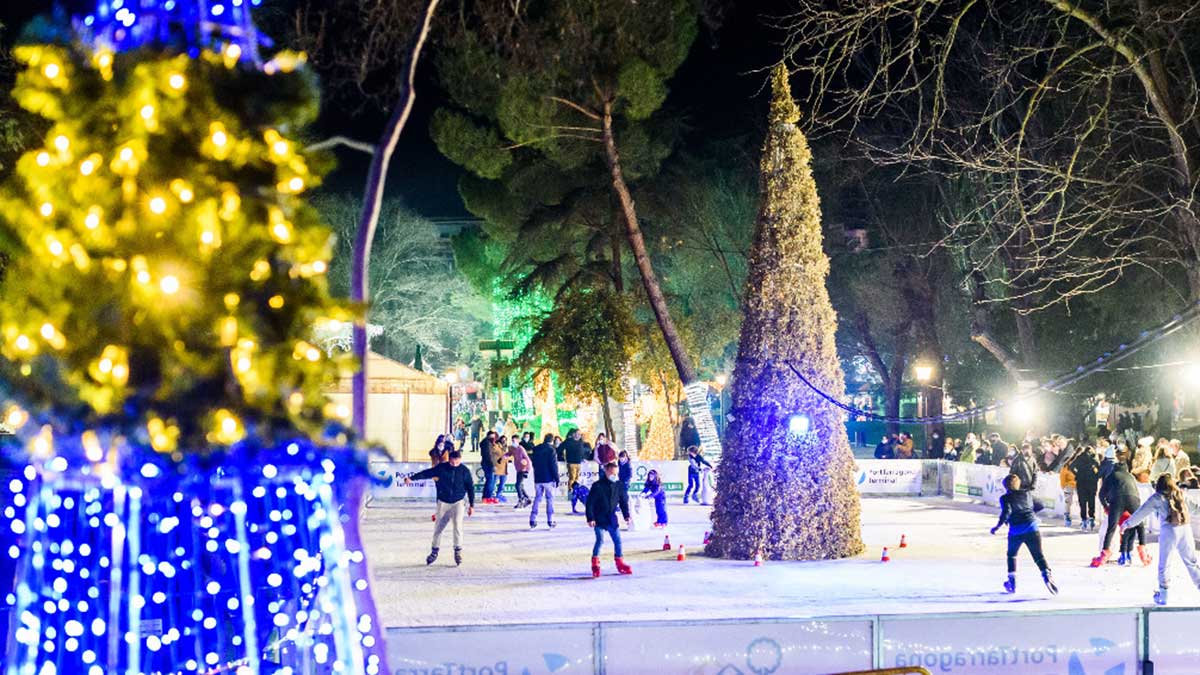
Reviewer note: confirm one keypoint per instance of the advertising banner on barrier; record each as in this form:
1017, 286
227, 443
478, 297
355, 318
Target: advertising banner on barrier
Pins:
1173, 645
1048, 644
889, 476
515, 650
749, 647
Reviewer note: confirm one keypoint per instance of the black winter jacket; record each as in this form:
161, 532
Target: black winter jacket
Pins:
545, 464
452, 482
603, 500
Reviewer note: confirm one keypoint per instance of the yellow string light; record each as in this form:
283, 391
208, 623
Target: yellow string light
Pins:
169, 284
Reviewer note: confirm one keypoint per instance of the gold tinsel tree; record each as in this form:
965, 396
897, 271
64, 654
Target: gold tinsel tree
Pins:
786, 484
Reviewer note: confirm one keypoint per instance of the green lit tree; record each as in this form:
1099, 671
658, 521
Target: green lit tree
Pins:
786, 485
169, 272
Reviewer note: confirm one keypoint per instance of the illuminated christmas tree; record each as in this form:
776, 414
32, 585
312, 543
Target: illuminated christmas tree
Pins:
183, 475
785, 486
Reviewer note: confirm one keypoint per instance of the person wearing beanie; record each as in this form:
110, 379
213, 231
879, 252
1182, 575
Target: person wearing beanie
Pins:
455, 497
1086, 469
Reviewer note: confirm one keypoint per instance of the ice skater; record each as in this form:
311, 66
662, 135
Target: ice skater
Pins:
521, 464
605, 497
653, 489
1086, 469
1119, 496
545, 480
1175, 534
1016, 509
695, 461
455, 496
625, 469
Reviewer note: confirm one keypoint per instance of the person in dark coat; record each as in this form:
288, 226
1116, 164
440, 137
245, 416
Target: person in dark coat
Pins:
1086, 468
1025, 467
455, 496
545, 480
689, 435
573, 452
999, 449
1120, 498
884, 449
605, 497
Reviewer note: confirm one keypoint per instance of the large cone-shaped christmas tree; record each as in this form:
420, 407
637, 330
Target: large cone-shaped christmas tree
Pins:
786, 484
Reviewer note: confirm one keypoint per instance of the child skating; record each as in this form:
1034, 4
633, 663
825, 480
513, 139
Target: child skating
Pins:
1175, 533
1016, 509
653, 489
605, 497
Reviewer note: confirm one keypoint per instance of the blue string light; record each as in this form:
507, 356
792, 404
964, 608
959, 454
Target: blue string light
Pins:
125, 25
237, 561
1145, 339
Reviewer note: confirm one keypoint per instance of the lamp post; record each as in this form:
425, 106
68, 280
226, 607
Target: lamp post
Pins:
924, 373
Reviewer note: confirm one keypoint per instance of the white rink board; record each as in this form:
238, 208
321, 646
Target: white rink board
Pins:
801, 647
1174, 647
1042, 644
508, 650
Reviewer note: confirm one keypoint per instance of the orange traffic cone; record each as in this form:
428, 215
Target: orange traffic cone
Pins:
885, 557
903, 543
667, 543
682, 554
758, 559
707, 538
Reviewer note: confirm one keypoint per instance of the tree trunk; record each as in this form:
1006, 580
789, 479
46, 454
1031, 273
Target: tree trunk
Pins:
891, 405
372, 203
608, 424
633, 231
618, 277
658, 303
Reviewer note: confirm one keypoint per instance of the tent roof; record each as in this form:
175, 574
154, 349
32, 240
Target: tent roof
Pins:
384, 375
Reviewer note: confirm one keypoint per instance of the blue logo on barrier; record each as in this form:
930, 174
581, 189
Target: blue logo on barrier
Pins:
1100, 647
764, 656
555, 662
862, 477
384, 477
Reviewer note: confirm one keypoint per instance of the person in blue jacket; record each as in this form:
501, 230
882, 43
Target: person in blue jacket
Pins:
624, 470
653, 489
695, 461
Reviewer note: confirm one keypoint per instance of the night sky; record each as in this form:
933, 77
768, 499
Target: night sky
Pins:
716, 92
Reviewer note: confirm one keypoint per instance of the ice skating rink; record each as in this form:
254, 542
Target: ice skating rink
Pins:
514, 575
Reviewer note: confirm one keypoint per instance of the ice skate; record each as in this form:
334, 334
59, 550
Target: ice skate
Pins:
532, 525
1099, 560
458, 556
1050, 585
1123, 559
431, 557
1144, 555
1160, 597
622, 567
595, 567
1010, 584
1068, 521
551, 524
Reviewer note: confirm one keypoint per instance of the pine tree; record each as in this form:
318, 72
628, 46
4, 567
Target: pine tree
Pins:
786, 482
169, 273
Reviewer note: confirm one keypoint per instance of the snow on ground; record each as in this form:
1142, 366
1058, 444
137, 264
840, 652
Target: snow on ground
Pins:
512, 574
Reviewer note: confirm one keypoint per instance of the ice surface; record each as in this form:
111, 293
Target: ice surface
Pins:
512, 574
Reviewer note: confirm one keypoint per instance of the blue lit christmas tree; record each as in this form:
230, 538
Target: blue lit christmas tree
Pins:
183, 499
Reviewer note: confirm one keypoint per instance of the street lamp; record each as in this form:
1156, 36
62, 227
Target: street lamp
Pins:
924, 373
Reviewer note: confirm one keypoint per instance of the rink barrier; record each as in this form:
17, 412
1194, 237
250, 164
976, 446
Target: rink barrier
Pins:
1070, 642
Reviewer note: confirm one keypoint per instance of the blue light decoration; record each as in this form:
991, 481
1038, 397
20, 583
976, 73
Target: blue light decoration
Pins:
245, 562
186, 25
246, 559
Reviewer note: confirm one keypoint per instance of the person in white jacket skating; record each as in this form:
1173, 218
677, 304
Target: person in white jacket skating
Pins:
1175, 534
